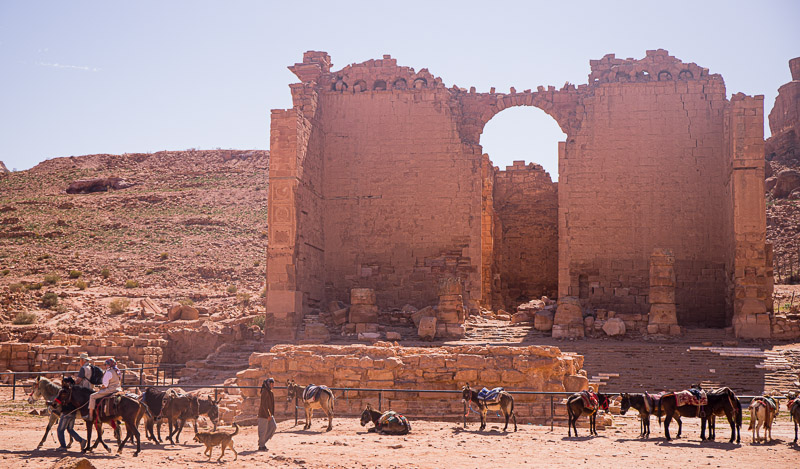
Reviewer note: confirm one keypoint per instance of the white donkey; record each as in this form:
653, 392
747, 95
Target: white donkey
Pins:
763, 411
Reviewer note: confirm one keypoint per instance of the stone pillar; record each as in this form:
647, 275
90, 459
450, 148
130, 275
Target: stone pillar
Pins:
363, 312
745, 134
450, 314
568, 320
663, 318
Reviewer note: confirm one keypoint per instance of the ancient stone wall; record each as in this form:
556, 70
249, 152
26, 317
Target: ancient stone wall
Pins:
384, 366
526, 204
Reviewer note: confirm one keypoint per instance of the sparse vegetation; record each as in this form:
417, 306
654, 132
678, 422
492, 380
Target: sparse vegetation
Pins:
243, 299
119, 306
149, 271
105, 273
43, 257
256, 263
75, 274
232, 289
260, 321
24, 318
131, 284
5, 272
164, 256
51, 279
34, 286
186, 302
50, 300
264, 292
15, 287
81, 285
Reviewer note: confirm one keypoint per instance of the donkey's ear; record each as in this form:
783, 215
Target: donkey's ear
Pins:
369, 406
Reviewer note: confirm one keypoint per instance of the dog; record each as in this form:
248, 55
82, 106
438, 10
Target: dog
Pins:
212, 439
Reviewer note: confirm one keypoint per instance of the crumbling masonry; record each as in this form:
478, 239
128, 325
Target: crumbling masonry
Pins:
378, 180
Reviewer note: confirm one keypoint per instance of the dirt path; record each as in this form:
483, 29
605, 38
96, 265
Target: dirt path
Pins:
430, 445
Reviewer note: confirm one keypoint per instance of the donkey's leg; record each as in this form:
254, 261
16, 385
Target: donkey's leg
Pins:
703, 422
329, 413
309, 413
667, 420
53, 418
680, 425
732, 421
795, 431
646, 420
507, 416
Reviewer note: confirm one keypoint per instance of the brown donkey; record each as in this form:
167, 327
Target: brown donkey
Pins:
794, 414
313, 397
504, 403
577, 405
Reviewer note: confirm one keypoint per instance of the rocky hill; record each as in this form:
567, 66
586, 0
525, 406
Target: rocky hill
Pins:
188, 225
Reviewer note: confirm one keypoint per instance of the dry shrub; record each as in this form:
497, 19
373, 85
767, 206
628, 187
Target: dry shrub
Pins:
131, 284
24, 318
119, 306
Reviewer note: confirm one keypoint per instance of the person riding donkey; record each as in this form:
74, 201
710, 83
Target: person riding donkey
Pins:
67, 421
111, 384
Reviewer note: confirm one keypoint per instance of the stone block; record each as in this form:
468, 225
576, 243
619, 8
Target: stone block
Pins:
520, 318
449, 286
543, 320
339, 316
362, 296
675, 329
189, 313
428, 311
427, 328
317, 331
662, 294
447, 316
391, 335
361, 313
614, 327
663, 314
369, 336
569, 312
576, 383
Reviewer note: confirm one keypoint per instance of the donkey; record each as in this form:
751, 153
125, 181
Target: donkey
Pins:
794, 413
128, 410
576, 407
388, 423
646, 405
154, 400
505, 403
177, 408
208, 407
323, 399
48, 390
763, 411
722, 400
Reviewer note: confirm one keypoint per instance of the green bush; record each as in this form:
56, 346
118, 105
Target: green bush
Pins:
119, 306
232, 289
105, 273
15, 287
81, 285
24, 318
50, 300
260, 321
5, 272
34, 286
164, 256
75, 274
43, 257
149, 271
51, 279
131, 284
243, 299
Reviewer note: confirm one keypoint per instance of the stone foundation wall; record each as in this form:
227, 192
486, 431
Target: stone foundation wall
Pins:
437, 368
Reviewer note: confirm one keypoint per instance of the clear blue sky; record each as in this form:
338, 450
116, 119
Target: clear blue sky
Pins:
81, 77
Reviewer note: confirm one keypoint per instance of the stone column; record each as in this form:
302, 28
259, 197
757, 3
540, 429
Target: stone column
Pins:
363, 312
450, 314
568, 320
663, 318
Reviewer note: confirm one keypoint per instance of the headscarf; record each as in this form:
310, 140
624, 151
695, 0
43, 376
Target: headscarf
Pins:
113, 364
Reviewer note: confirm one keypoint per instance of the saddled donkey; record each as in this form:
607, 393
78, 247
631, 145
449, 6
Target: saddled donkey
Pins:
646, 405
124, 408
154, 400
763, 411
794, 413
585, 402
389, 422
504, 402
718, 401
208, 407
720, 412
313, 397
176, 408
48, 390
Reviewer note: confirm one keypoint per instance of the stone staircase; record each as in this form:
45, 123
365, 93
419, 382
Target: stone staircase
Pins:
224, 363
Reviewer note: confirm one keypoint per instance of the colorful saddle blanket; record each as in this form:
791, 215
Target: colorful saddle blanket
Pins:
795, 402
770, 402
489, 395
690, 398
311, 393
651, 401
590, 400
391, 419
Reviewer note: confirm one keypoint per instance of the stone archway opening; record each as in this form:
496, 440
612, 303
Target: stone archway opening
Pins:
525, 204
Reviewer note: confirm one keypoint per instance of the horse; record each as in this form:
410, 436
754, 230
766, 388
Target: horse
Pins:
576, 407
177, 408
505, 403
646, 405
720, 401
763, 413
794, 414
128, 410
389, 422
324, 400
48, 390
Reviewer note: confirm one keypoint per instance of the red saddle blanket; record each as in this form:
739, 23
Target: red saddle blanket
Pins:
589, 399
688, 398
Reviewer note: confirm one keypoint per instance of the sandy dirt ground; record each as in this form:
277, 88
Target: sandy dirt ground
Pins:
430, 445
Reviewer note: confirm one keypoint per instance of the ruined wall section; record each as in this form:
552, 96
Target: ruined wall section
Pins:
526, 203
646, 170
402, 194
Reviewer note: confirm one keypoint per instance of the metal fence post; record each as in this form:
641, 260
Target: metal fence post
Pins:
465, 414
295, 410
141, 375
13, 386
380, 401
173, 375
552, 413
123, 377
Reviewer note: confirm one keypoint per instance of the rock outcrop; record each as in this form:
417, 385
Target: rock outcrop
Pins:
87, 186
783, 146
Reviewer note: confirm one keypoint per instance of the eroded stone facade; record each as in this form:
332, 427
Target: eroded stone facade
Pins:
378, 180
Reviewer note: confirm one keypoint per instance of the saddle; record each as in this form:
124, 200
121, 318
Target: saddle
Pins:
695, 397
392, 417
795, 402
651, 401
590, 400
768, 401
311, 392
108, 405
489, 396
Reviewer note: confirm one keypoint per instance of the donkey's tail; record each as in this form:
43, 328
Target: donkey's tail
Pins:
738, 412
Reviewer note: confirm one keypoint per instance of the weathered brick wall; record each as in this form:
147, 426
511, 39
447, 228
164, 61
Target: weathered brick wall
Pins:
384, 366
526, 204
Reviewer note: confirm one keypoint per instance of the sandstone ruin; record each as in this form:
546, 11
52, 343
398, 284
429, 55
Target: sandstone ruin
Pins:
378, 180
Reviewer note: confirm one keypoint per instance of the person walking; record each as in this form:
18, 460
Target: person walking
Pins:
66, 423
266, 414
111, 384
